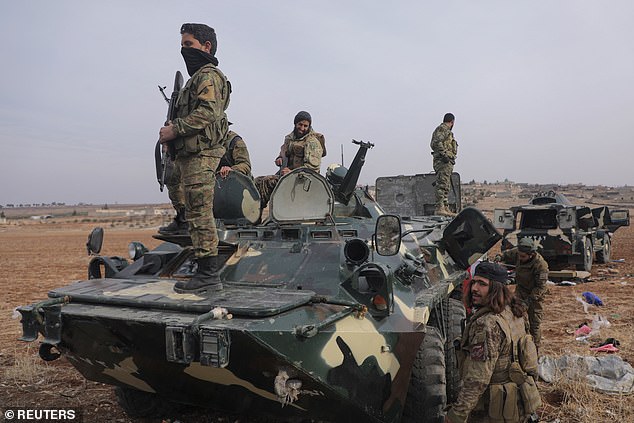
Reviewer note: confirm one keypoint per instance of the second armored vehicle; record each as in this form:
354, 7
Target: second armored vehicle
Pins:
564, 233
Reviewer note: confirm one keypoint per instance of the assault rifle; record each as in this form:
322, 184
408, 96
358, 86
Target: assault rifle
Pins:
160, 156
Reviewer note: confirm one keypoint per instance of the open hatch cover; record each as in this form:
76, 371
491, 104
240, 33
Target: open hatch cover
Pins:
301, 196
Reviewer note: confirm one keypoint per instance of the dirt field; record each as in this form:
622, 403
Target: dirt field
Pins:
36, 257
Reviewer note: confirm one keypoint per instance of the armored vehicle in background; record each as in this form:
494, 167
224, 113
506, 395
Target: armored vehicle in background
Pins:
325, 314
565, 234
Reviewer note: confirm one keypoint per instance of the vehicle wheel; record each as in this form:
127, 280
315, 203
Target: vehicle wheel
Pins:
448, 320
427, 397
138, 403
587, 256
603, 256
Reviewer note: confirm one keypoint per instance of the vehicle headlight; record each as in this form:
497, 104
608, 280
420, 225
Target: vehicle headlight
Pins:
136, 250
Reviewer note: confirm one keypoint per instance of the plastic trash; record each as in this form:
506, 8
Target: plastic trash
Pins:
584, 304
592, 298
583, 330
598, 322
605, 348
567, 283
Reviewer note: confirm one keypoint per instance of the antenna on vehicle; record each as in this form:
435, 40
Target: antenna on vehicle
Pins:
341, 154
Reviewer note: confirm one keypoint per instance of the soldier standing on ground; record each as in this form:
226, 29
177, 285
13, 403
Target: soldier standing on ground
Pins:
486, 353
197, 134
531, 275
235, 159
303, 147
444, 149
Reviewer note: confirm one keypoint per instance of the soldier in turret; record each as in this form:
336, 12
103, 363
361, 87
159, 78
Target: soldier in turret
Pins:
236, 158
303, 147
444, 149
489, 391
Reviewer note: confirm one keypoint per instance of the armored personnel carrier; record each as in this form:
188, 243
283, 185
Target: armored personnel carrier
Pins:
565, 234
325, 312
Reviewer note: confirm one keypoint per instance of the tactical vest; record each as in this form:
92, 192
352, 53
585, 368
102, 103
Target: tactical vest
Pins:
510, 384
213, 134
295, 148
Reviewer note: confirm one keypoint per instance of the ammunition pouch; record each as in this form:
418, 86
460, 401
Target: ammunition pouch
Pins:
530, 395
210, 139
516, 374
504, 402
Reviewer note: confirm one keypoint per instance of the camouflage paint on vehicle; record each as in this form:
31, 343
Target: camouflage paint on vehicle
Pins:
564, 233
312, 323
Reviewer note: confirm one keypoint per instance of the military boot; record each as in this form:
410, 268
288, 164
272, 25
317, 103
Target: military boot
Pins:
444, 211
206, 278
178, 225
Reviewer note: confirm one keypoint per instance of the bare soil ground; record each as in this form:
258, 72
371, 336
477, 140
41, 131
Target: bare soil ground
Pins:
36, 257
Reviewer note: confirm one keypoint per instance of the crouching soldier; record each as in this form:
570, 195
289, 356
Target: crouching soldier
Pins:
497, 377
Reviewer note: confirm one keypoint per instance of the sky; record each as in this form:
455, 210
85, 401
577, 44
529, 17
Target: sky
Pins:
542, 91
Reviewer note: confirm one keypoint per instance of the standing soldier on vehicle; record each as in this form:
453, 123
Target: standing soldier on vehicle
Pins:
236, 159
494, 385
444, 149
531, 275
197, 135
303, 147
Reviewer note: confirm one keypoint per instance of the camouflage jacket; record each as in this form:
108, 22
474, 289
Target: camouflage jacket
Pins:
485, 359
303, 152
530, 277
443, 144
201, 123
237, 155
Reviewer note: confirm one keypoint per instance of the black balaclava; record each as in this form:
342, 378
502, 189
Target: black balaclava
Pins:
196, 59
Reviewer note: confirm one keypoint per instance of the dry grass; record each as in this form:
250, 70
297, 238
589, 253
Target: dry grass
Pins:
27, 369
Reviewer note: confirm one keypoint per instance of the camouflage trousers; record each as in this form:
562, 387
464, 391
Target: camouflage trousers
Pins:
265, 185
198, 180
443, 181
535, 314
174, 187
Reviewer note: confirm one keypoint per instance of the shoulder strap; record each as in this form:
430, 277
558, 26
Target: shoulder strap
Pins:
233, 142
506, 328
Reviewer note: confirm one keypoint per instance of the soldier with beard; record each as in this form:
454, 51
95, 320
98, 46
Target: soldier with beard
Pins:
197, 134
303, 147
493, 381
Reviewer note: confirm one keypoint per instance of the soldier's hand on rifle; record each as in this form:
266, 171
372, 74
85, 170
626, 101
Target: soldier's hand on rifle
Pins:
167, 133
285, 171
224, 171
